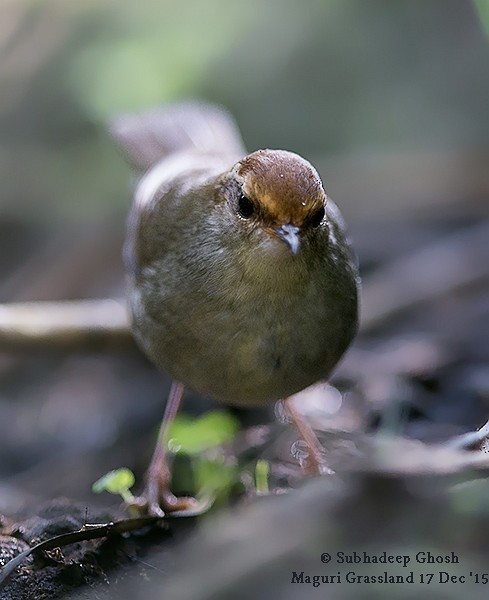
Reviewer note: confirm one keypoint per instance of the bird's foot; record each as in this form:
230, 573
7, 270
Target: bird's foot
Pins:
315, 463
163, 503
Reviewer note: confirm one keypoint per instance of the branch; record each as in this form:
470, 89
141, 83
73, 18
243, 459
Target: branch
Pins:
64, 324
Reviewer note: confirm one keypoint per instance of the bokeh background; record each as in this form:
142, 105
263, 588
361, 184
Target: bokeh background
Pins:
378, 93
390, 100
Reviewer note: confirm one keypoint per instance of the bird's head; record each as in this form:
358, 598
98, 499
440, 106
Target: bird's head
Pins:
279, 193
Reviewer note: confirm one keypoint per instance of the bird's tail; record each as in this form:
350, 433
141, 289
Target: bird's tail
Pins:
145, 138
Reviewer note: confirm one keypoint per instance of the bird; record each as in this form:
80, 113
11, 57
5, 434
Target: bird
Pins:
241, 281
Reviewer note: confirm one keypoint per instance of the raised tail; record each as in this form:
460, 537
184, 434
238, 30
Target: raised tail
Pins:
145, 138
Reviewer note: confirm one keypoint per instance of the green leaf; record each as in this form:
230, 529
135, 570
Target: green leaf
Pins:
215, 476
262, 472
193, 436
118, 481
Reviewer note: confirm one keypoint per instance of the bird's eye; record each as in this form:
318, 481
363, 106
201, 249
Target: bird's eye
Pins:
246, 208
317, 217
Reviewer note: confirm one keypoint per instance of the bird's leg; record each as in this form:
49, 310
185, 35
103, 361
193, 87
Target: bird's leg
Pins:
315, 463
157, 498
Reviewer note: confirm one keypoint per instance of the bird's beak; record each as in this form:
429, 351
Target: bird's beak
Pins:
290, 235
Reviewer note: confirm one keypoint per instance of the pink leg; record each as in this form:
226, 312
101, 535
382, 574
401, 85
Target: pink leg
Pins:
157, 498
315, 463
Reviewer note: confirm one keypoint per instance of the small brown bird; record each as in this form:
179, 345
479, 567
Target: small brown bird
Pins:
242, 284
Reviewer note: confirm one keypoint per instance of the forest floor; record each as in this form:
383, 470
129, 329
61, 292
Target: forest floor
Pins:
393, 422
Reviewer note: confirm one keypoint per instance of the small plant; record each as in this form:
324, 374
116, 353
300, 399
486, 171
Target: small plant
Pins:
119, 482
192, 436
200, 440
262, 472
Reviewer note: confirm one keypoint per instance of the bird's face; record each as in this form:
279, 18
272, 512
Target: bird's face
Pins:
276, 196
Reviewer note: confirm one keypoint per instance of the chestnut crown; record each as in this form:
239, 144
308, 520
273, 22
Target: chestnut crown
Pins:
282, 188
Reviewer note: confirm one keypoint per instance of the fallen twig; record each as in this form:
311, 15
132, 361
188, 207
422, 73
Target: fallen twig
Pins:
99, 530
64, 324
87, 532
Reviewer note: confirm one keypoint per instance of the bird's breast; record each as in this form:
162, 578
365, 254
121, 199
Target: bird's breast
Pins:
243, 334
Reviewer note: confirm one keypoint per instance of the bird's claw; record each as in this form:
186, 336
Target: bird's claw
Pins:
165, 505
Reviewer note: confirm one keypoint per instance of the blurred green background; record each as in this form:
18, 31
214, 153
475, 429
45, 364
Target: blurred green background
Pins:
389, 99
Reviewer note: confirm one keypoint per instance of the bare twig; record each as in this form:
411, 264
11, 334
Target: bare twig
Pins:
100, 530
87, 532
64, 324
